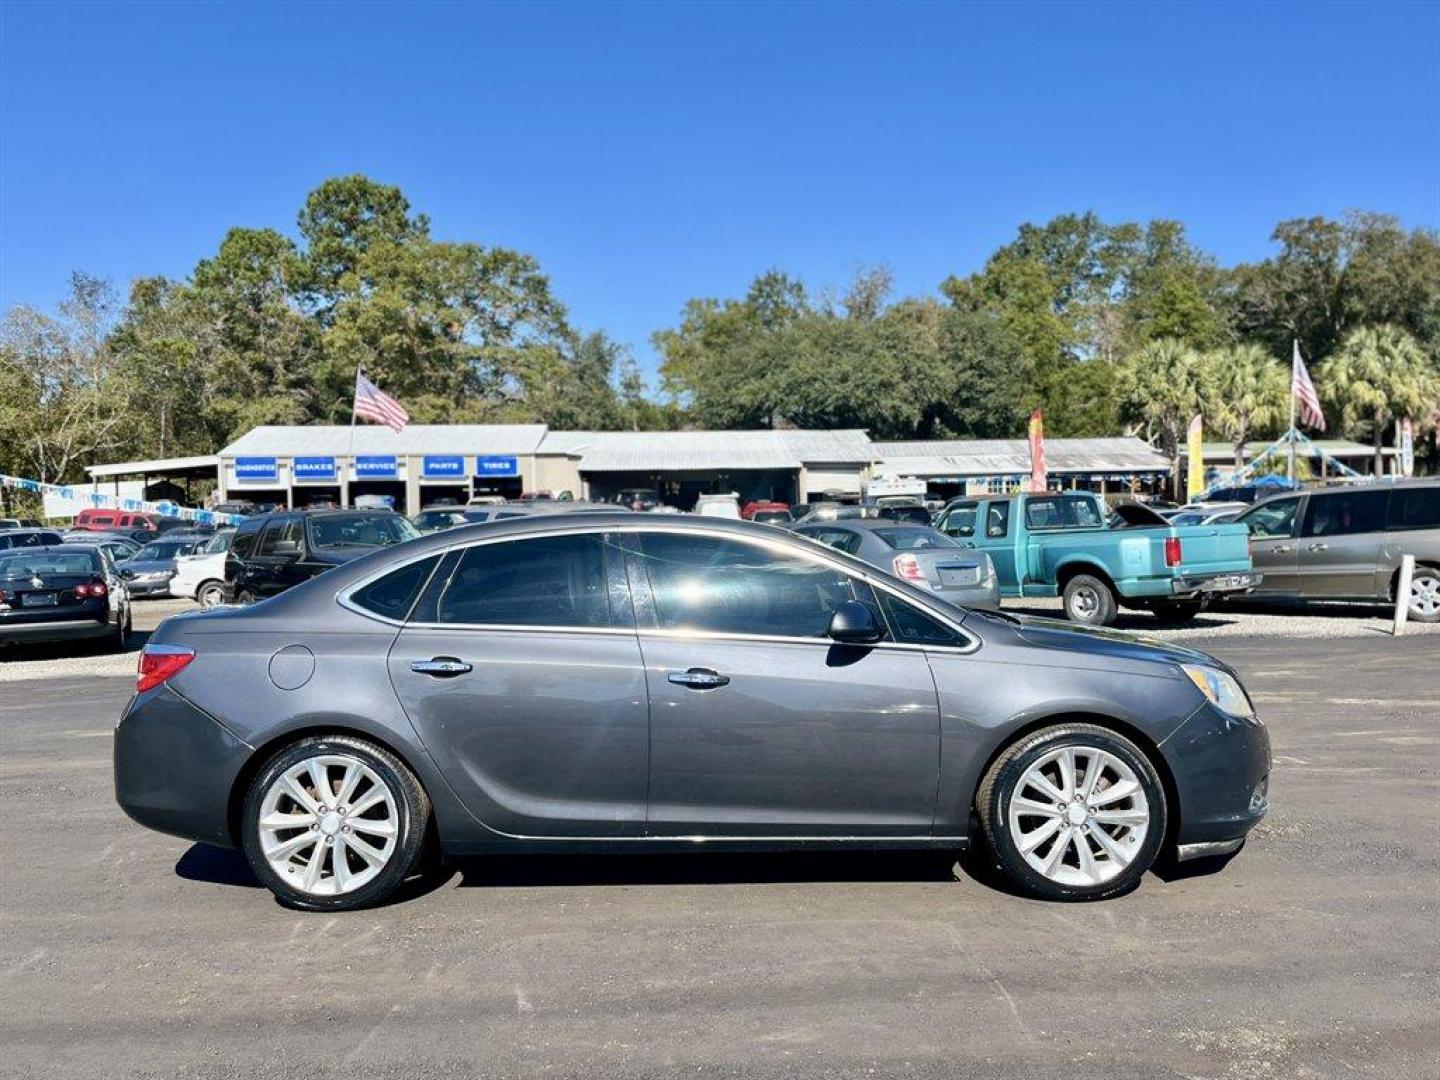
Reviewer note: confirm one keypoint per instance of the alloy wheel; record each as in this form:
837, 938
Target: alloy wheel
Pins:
328, 825
1425, 596
1079, 815
212, 596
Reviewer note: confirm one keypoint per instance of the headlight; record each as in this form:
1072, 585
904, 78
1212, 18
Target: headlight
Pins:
1221, 689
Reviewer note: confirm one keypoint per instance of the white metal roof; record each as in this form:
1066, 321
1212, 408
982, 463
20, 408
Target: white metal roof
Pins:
326, 439
1011, 457
678, 451
155, 466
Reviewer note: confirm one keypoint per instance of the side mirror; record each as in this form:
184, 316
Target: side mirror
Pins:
852, 623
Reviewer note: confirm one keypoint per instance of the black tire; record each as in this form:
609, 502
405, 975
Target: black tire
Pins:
245, 596
1431, 579
992, 804
1089, 600
1177, 610
210, 594
120, 636
413, 812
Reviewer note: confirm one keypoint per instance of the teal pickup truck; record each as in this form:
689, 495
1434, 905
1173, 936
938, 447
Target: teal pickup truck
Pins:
1070, 545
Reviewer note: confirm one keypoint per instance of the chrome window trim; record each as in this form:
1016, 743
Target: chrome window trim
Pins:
822, 554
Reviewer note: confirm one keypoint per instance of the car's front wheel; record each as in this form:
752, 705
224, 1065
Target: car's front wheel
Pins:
1073, 812
210, 594
333, 823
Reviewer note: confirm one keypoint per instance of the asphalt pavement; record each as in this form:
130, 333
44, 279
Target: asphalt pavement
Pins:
1313, 953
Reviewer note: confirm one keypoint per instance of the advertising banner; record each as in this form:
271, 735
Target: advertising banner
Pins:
1195, 453
1038, 479
313, 469
377, 467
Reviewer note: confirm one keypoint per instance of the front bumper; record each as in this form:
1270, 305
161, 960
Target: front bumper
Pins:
136, 588
175, 766
1210, 584
1221, 767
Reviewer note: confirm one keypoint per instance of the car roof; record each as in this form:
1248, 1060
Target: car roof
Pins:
40, 549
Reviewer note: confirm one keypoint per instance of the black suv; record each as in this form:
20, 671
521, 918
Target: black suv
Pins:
272, 552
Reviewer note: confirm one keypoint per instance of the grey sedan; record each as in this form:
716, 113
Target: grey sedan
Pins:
918, 554
624, 682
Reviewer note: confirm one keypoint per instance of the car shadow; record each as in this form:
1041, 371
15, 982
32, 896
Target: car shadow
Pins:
1169, 870
1131, 620
707, 868
216, 866
69, 650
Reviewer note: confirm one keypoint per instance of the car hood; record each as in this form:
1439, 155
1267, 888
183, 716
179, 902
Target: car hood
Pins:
1106, 644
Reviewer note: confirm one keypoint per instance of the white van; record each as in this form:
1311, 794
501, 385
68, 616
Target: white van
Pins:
721, 506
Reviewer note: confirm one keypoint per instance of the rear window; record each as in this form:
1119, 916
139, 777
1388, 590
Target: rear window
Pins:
1061, 513
1415, 508
15, 566
1345, 513
914, 539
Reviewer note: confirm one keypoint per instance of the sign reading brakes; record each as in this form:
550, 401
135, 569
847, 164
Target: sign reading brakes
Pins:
256, 468
314, 468
442, 465
497, 465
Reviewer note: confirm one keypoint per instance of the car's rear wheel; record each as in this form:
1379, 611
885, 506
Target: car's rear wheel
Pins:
1073, 812
1425, 595
333, 823
1089, 600
245, 596
210, 594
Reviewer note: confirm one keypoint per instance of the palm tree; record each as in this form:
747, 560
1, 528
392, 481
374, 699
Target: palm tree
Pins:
1162, 383
1246, 390
1378, 374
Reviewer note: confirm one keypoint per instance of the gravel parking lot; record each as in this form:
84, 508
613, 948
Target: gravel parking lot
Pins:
1313, 953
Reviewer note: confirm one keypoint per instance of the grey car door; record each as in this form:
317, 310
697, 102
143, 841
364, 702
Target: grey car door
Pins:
761, 725
520, 669
1340, 542
1272, 527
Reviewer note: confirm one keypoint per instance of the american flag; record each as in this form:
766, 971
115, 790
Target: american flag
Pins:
1303, 391
372, 403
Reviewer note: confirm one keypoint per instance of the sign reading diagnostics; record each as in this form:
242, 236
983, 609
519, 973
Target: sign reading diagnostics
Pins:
257, 469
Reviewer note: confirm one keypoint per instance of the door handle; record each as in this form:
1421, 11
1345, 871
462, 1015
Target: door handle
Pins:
1318, 547
699, 678
442, 667
1281, 550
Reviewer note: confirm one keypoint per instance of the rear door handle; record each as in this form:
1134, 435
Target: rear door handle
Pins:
1281, 550
699, 678
442, 667
1318, 547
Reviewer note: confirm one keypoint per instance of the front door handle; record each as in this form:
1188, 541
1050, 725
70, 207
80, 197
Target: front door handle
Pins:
442, 667
699, 678
1281, 550
1318, 547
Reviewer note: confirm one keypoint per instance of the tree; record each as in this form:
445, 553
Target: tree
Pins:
1378, 375
1247, 390
1163, 384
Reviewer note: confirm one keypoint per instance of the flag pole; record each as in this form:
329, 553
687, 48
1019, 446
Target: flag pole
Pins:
350, 454
1295, 359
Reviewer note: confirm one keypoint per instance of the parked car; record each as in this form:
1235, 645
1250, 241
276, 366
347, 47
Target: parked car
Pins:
612, 682
98, 520
719, 505
117, 545
27, 538
773, 511
243, 507
274, 552
435, 518
62, 592
1346, 543
638, 498
200, 575
20, 523
908, 510
923, 556
838, 512
1062, 544
149, 570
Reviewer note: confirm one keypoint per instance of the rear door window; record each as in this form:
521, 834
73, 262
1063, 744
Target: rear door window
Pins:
1415, 508
1345, 513
546, 581
1272, 521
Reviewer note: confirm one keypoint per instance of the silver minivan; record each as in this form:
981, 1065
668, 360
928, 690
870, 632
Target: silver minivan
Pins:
1346, 544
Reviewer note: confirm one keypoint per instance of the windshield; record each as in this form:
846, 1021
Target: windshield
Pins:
163, 549
15, 567
334, 531
913, 539
217, 543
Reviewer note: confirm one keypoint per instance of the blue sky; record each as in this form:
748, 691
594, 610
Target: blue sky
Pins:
649, 153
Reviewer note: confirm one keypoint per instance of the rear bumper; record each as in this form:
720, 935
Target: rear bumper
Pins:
54, 630
1221, 767
984, 599
175, 766
1210, 584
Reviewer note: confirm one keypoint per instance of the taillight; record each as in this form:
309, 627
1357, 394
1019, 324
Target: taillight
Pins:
159, 663
1172, 551
96, 589
908, 567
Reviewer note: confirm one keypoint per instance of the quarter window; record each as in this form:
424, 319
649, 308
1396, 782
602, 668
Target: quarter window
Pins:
1415, 508
1272, 521
394, 594
914, 627
547, 581
1343, 513
711, 584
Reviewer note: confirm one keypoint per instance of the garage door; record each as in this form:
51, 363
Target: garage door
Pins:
844, 479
